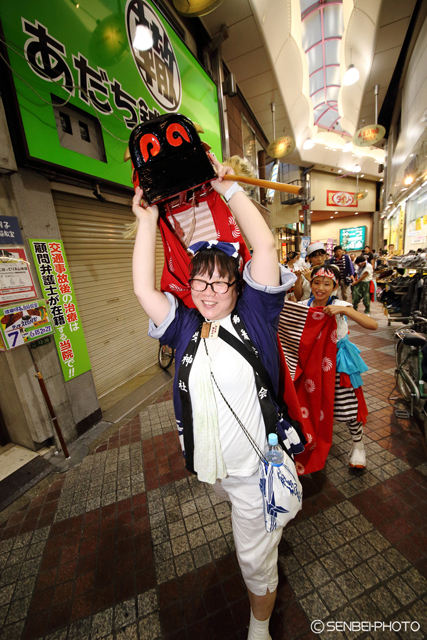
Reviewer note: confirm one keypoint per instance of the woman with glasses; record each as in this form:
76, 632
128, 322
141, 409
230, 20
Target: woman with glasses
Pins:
214, 382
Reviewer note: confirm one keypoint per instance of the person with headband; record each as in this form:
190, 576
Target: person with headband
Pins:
316, 254
213, 377
349, 404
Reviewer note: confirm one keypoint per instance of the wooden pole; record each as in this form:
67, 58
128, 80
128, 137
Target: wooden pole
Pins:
49, 406
266, 184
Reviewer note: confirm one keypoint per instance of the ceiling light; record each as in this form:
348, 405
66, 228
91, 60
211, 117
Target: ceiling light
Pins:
362, 175
408, 180
356, 213
351, 76
381, 179
335, 211
347, 147
143, 39
308, 144
339, 170
357, 168
332, 217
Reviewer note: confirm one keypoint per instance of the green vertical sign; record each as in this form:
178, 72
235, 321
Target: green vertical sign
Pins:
57, 288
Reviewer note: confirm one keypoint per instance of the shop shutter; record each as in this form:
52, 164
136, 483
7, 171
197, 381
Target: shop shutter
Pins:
100, 262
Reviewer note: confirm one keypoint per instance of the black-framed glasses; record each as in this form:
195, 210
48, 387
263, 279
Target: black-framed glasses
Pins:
217, 287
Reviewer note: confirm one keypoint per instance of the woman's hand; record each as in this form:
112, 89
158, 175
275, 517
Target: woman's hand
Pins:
334, 310
307, 274
219, 185
140, 211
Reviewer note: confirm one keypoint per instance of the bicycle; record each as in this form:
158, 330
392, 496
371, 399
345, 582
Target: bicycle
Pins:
166, 356
409, 358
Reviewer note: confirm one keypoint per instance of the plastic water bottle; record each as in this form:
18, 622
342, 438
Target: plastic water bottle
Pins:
274, 454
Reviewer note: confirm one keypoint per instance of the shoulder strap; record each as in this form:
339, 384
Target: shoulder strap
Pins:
250, 356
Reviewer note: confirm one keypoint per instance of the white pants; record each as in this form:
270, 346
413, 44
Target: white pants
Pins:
257, 550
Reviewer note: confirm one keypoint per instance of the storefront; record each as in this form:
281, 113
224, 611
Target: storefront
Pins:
416, 220
74, 88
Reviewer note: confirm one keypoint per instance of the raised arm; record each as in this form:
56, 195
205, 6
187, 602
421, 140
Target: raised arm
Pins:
154, 302
361, 318
264, 265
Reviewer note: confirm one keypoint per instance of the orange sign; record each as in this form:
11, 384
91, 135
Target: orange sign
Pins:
341, 199
368, 135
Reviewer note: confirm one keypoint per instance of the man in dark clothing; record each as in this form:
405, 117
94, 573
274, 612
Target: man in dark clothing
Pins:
346, 267
369, 255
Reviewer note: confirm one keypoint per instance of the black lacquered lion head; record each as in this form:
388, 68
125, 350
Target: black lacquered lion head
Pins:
168, 157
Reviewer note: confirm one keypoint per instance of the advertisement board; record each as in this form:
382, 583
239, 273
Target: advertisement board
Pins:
16, 282
353, 239
81, 55
341, 199
57, 287
24, 323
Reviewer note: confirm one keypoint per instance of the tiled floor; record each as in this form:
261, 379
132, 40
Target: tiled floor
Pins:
129, 545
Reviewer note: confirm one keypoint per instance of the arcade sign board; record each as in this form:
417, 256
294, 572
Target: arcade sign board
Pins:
369, 135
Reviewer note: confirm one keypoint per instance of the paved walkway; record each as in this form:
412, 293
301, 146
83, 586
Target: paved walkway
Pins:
129, 545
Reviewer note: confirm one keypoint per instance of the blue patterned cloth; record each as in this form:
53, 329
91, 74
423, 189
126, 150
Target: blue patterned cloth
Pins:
229, 248
281, 493
350, 362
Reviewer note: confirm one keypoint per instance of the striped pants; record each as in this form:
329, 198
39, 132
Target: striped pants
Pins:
345, 409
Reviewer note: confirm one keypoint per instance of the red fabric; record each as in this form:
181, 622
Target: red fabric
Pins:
345, 380
315, 387
288, 392
372, 291
175, 274
362, 409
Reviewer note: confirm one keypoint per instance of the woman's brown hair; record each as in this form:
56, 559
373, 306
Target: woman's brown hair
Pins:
208, 260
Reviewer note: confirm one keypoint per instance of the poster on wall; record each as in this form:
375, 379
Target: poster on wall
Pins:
57, 287
82, 55
353, 239
16, 282
305, 241
24, 323
10, 233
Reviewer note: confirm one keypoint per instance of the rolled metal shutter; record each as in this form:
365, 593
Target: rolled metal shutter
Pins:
100, 262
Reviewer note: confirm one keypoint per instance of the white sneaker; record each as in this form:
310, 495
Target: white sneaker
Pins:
357, 456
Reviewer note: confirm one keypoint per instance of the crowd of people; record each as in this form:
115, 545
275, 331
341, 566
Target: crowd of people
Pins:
355, 272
